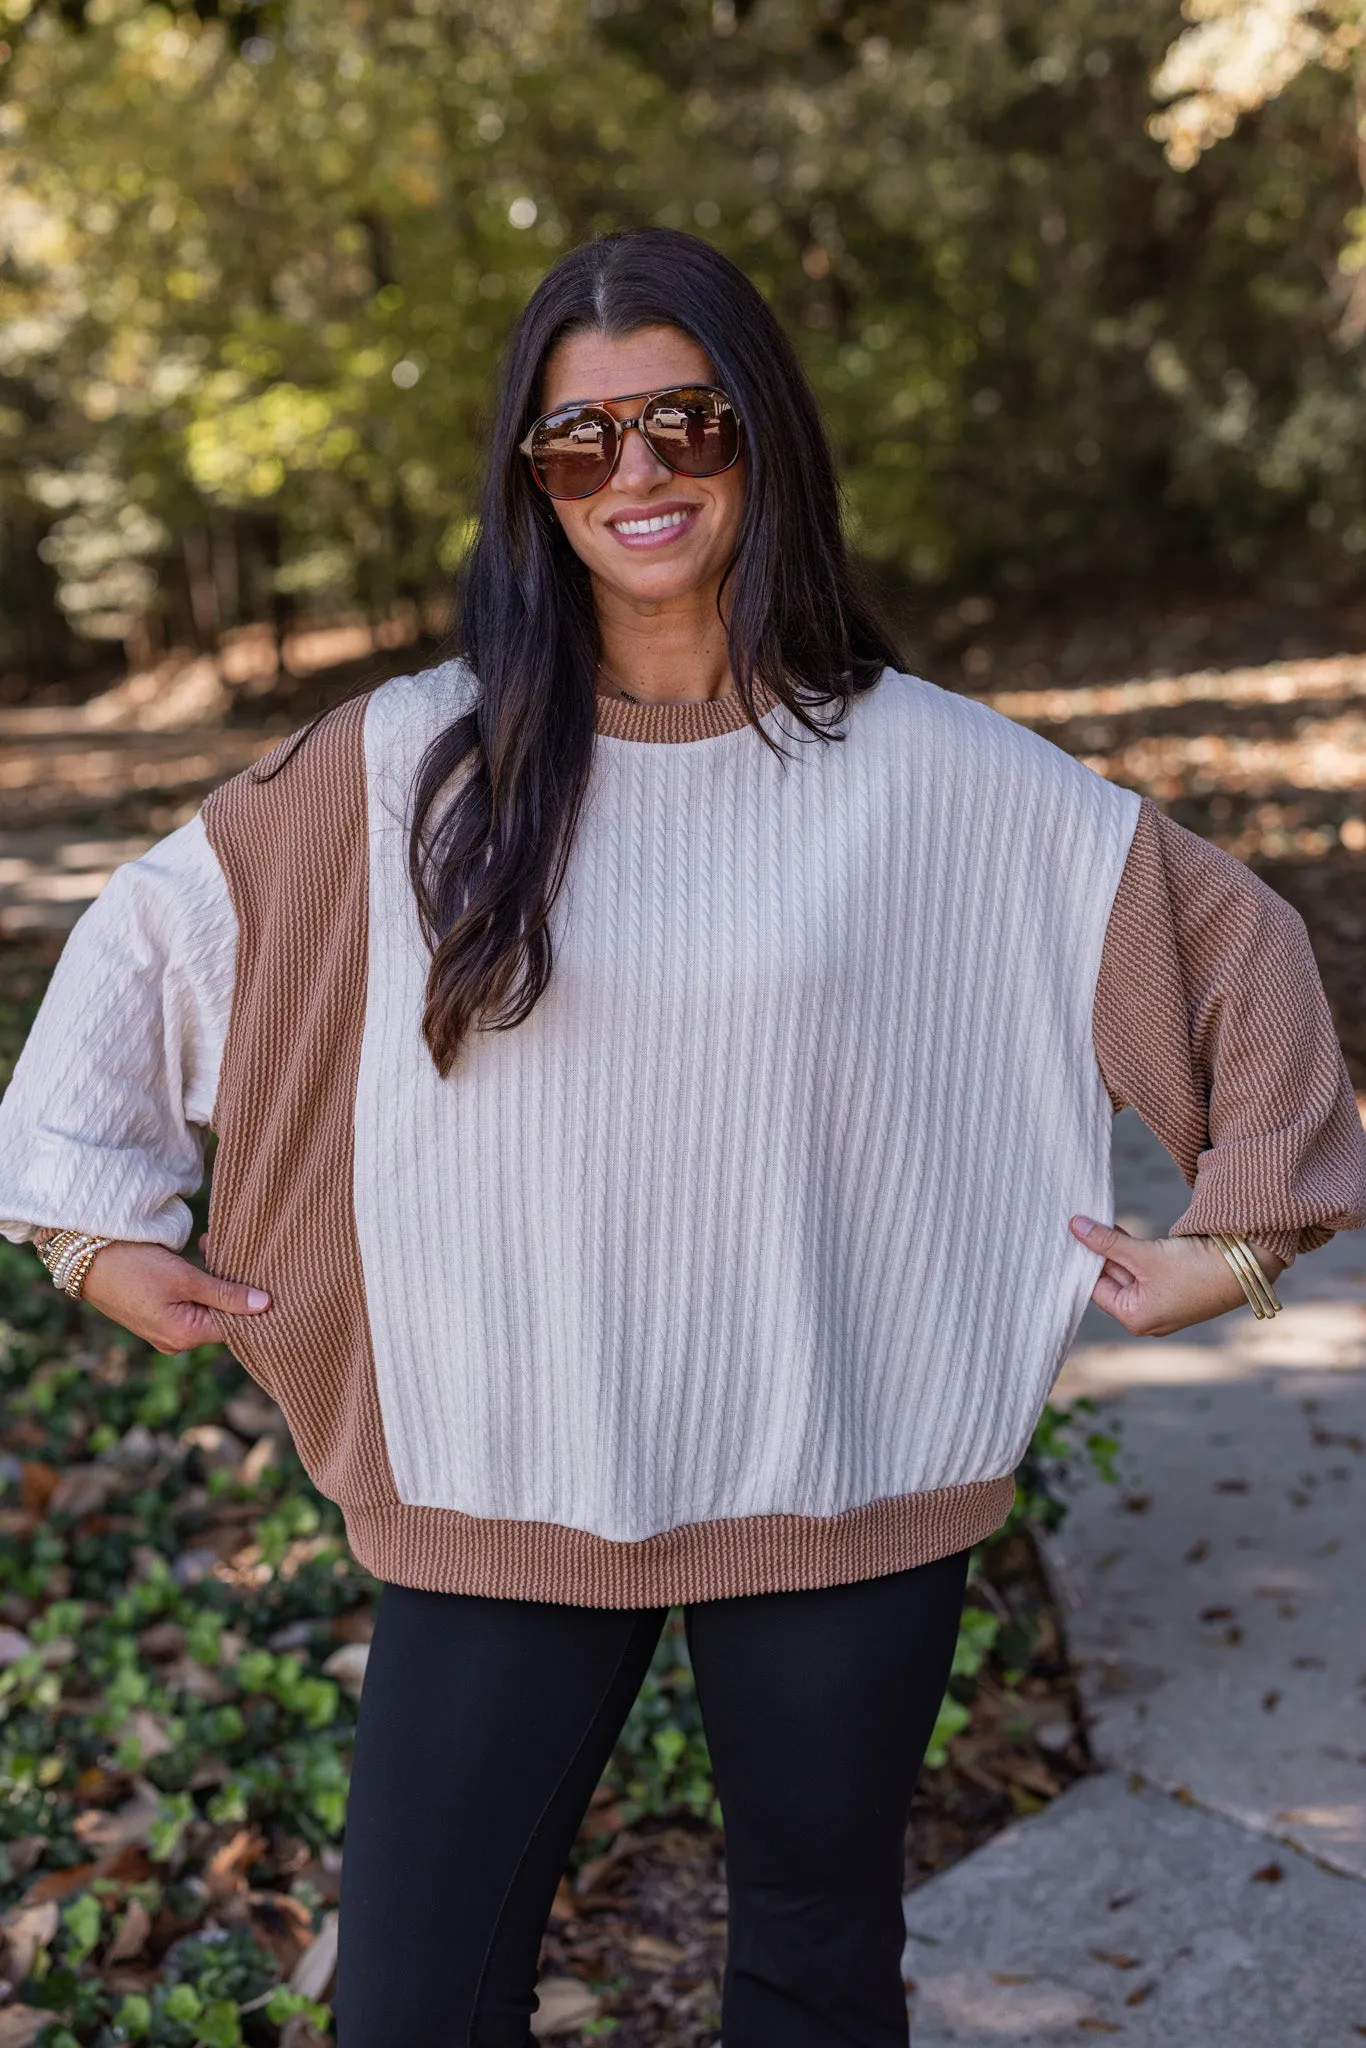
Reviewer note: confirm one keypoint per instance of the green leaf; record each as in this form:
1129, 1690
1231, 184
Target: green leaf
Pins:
134, 2017
952, 1719
229, 1803
283, 2004
182, 2002
254, 1670
204, 1638
82, 1919
218, 2025
1103, 1451
174, 1815
977, 1632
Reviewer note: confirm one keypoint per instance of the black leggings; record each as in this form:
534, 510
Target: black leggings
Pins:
486, 1725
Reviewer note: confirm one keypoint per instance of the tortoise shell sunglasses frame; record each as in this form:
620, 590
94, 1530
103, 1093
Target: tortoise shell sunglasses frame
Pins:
574, 449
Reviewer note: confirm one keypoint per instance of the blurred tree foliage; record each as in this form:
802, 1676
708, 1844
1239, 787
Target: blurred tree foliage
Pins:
257, 262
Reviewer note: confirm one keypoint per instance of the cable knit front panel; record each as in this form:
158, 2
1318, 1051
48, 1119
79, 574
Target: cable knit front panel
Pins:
764, 1208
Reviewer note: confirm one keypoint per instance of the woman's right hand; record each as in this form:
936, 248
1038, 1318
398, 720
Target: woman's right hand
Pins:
162, 1298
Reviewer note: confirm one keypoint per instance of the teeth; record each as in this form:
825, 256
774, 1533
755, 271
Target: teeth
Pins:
655, 525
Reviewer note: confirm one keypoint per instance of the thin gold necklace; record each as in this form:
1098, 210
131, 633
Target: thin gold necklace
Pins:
617, 683
630, 696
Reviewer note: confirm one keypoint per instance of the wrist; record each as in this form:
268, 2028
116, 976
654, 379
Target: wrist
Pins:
1272, 1262
1244, 1261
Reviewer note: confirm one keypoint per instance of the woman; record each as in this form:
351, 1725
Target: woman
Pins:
656, 1060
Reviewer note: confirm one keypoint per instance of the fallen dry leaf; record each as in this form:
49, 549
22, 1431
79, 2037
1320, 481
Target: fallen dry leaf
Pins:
313, 1973
24, 1852
150, 1731
356, 1627
27, 1929
59, 1884
226, 1870
562, 2004
262, 1455
655, 1952
131, 1934
591, 1873
187, 1676
1034, 1776
82, 1490
37, 1484
14, 1644
99, 1787
162, 1639
976, 1773
282, 1924
127, 1866
253, 1414
347, 1666
20, 2025
132, 1822
297, 2033
564, 1905
218, 1448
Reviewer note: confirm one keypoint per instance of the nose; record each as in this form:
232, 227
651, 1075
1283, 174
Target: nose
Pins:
639, 467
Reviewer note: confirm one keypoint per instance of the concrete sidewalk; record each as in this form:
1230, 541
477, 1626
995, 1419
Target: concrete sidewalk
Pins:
1210, 1889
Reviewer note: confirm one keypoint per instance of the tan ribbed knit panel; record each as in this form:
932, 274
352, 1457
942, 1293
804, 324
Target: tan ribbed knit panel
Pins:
295, 851
1238, 1072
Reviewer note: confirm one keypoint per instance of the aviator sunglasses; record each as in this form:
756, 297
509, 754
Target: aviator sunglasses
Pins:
693, 429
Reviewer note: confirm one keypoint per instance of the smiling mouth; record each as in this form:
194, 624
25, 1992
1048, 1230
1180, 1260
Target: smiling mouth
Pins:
659, 523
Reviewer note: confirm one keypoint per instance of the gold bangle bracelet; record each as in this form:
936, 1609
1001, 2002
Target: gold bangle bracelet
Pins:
53, 1245
1261, 1295
1249, 1274
60, 1248
65, 1265
68, 1256
1270, 1299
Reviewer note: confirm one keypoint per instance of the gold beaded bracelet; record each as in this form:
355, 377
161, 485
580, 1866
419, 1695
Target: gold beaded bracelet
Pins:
1261, 1295
68, 1256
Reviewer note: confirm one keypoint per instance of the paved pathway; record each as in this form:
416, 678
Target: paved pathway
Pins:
1210, 1888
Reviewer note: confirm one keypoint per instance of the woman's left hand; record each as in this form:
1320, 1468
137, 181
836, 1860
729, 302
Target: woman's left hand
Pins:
1154, 1285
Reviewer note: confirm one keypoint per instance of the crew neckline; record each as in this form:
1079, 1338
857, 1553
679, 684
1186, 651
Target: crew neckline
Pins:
618, 718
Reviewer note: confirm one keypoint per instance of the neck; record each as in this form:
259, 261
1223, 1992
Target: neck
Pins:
668, 653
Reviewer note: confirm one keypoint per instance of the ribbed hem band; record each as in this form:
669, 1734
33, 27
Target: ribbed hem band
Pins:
440, 1550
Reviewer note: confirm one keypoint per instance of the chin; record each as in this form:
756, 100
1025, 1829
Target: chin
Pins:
655, 582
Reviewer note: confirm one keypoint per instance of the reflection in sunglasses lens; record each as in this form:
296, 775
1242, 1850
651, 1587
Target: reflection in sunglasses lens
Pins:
695, 432
573, 452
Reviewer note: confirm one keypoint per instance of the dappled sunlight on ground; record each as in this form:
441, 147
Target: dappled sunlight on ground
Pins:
1214, 1596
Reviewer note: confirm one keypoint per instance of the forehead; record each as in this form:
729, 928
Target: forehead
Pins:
598, 366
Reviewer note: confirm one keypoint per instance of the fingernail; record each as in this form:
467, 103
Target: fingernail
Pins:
1083, 1223
255, 1298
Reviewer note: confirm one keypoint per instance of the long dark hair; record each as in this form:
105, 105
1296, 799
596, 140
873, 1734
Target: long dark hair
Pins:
488, 862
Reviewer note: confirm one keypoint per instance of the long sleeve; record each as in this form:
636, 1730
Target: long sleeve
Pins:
102, 1127
1210, 1021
